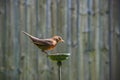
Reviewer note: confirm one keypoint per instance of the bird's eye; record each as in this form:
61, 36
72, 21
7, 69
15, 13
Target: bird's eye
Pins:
59, 38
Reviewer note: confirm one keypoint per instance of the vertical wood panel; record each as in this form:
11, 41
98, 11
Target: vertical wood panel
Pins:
83, 24
2, 40
73, 39
83, 38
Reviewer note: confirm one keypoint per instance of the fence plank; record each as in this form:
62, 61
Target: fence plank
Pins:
83, 24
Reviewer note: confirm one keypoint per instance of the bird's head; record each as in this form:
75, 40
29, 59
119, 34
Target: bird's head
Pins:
58, 39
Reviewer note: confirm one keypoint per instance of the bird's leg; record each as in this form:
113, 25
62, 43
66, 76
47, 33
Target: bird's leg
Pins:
46, 53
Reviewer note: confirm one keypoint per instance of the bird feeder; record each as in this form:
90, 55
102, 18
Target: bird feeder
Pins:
59, 57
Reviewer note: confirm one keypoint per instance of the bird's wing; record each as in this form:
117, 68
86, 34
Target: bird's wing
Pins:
44, 42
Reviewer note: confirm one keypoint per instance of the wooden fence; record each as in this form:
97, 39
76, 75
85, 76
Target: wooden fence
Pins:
90, 28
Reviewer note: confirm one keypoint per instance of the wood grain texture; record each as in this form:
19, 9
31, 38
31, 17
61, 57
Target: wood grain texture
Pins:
91, 36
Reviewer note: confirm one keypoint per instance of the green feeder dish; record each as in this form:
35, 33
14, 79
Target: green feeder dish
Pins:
59, 56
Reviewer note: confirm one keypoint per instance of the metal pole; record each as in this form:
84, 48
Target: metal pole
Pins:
59, 63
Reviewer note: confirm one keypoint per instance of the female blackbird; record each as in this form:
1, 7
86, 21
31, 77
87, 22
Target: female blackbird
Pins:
45, 44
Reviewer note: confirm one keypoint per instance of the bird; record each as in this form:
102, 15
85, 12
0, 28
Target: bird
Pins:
45, 44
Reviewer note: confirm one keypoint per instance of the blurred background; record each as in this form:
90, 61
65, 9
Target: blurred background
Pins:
90, 28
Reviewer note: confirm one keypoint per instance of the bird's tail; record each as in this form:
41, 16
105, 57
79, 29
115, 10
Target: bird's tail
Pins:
27, 34
30, 36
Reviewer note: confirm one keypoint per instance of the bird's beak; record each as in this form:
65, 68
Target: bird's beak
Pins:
62, 40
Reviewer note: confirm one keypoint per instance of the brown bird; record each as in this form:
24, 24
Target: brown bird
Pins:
45, 44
